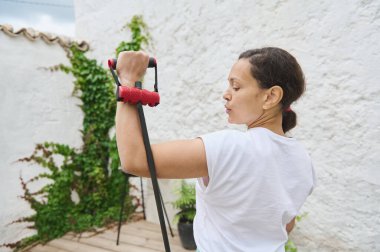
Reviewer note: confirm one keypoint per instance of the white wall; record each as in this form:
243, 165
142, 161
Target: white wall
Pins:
336, 43
35, 106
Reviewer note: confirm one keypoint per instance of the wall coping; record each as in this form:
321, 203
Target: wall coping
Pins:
48, 38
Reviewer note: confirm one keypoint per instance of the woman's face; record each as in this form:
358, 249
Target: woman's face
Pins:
244, 98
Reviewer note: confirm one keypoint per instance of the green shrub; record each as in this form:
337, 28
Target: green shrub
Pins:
185, 203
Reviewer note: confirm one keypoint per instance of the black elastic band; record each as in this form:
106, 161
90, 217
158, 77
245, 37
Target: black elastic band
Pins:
152, 170
122, 200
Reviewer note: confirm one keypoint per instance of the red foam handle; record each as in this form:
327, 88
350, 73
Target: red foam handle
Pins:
134, 95
112, 63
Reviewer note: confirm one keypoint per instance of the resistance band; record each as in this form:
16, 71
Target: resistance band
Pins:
137, 95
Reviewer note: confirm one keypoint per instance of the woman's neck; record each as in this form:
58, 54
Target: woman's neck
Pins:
270, 119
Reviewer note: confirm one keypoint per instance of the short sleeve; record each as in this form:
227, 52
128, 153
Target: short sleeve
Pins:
219, 147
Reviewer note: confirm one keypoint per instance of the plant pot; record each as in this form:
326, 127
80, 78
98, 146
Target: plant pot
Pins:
186, 235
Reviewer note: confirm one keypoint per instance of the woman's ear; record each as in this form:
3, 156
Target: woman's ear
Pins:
273, 97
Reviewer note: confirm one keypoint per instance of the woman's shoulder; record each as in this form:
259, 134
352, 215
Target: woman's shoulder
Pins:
225, 134
264, 132
229, 131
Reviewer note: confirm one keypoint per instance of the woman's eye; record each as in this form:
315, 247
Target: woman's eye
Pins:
235, 88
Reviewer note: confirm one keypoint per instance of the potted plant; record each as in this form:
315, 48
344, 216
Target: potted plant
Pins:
185, 217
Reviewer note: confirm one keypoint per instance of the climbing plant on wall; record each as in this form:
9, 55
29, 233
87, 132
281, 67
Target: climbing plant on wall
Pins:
91, 172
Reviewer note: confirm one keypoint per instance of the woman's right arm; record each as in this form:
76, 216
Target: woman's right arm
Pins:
175, 159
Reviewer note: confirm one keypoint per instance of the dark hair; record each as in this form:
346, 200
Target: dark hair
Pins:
272, 66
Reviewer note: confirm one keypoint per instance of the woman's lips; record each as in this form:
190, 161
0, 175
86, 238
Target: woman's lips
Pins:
227, 110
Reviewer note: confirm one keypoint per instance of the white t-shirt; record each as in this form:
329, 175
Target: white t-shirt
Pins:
258, 182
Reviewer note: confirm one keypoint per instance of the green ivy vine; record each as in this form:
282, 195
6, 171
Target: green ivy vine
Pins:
92, 172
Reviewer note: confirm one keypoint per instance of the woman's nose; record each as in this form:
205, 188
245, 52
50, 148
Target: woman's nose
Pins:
227, 96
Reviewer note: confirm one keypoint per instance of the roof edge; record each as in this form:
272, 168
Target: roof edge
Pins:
48, 38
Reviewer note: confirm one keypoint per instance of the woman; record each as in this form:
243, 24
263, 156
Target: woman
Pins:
251, 184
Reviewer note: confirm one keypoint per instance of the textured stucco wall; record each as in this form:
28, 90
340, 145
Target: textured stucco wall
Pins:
35, 106
336, 43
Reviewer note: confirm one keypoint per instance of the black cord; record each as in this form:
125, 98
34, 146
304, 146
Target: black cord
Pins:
152, 169
166, 215
142, 197
122, 200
